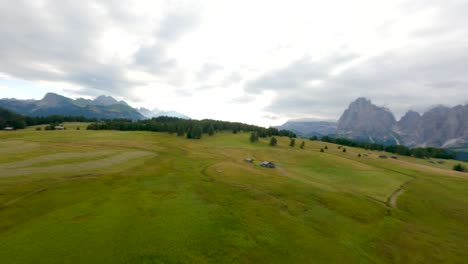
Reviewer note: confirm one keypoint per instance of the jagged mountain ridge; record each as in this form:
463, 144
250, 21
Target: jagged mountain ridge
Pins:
366, 121
439, 127
156, 113
102, 107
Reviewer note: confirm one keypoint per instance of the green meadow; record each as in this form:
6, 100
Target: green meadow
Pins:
79, 196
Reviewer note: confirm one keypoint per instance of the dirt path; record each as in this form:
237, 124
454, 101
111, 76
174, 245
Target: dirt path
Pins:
392, 200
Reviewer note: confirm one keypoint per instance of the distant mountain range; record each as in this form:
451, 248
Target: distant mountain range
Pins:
156, 112
439, 127
103, 107
308, 128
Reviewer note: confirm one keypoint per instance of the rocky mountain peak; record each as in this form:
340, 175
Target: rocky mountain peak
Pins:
366, 121
105, 100
52, 99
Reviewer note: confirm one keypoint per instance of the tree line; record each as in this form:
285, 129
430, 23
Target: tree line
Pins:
428, 152
17, 121
193, 129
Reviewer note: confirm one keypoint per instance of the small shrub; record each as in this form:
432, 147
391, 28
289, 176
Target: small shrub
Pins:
326, 147
359, 155
38, 128
459, 167
302, 145
344, 149
321, 150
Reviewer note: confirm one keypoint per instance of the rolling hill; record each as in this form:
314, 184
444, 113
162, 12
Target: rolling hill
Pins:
143, 197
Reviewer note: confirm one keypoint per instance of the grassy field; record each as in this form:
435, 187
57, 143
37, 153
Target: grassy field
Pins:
78, 196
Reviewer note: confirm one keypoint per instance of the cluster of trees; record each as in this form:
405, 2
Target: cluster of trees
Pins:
9, 118
193, 129
254, 136
398, 149
460, 167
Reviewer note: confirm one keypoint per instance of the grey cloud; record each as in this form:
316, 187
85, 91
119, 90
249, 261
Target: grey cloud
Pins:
154, 59
231, 79
177, 24
271, 117
297, 74
56, 41
207, 70
400, 80
412, 77
59, 40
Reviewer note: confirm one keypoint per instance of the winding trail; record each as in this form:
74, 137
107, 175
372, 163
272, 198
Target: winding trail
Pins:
393, 198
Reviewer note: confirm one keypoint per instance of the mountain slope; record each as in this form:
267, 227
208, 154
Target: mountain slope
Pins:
156, 113
310, 128
439, 127
54, 104
366, 121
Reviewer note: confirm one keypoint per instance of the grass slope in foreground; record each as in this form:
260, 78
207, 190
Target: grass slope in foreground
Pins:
80, 196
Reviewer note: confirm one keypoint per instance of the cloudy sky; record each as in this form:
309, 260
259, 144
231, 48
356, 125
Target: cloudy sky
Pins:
254, 61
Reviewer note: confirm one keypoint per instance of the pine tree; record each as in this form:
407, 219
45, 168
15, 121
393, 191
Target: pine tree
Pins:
180, 131
273, 141
344, 149
302, 145
321, 150
197, 132
189, 133
253, 137
292, 143
211, 130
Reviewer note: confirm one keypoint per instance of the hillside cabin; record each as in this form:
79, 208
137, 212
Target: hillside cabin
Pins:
8, 128
382, 156
59, 128
249, 160
394, 157
267, 164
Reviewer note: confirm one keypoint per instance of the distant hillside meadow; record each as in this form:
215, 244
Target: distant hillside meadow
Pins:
106, 196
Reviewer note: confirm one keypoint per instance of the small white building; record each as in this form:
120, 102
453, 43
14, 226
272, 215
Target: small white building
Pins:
59, 127
8, 128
